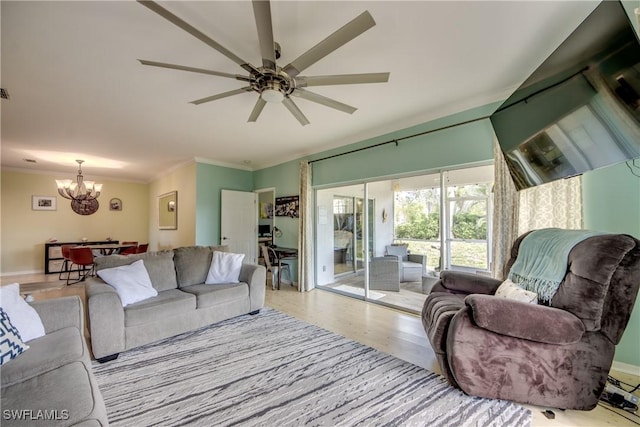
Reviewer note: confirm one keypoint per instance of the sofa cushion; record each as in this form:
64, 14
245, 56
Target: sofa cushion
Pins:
192, 263
210, 295
45, 353
11, 345
159, 265
168, 303
66, 393
398, 250
131, 281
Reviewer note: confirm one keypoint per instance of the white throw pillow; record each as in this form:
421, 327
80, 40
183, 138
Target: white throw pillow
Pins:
225, 268
511, 290
24, 317
131, 282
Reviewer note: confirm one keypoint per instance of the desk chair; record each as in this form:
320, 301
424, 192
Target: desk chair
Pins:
271, 262
82, 257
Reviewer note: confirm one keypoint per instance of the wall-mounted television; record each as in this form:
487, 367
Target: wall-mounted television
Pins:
580, 110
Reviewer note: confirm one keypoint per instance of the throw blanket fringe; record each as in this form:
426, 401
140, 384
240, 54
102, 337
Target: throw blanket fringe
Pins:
542, 260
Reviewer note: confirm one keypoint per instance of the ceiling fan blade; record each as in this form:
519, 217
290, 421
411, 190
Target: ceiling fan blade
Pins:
348, 32
257, 110
262, 12
222, 95
293, 108
196, 33
328, 102
193, 70
342, 79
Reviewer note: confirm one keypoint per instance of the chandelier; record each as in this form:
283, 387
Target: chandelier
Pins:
83, 194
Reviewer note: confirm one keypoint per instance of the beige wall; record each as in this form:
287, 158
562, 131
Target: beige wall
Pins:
182, 180
24, 231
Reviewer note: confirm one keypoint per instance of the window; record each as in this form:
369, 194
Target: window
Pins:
461, 240
468, 214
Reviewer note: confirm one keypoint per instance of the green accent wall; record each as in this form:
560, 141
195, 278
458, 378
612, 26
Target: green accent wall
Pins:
457, 145
210, 180
611, 195
611, 198
285, 179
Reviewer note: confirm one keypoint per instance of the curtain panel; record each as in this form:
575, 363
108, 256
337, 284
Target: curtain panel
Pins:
555, 204
505, 213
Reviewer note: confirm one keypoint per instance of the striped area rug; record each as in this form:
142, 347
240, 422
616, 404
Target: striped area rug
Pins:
274, 370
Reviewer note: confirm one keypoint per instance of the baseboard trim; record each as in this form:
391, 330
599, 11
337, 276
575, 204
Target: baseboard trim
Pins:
21, 273
626, 368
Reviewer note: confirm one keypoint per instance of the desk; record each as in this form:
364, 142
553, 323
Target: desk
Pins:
284, 253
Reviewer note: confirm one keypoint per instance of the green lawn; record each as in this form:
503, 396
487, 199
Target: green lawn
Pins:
468, 254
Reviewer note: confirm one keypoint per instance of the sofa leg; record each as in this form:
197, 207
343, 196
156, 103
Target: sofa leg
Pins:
108, 358
253, 313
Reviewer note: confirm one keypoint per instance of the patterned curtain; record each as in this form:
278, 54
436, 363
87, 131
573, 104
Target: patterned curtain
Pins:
305, 230
555, 204
505, 213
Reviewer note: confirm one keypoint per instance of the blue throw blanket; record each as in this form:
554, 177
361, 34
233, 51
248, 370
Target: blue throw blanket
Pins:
542, 259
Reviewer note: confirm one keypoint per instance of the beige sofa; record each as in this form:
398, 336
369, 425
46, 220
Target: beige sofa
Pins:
183, 302
51, 384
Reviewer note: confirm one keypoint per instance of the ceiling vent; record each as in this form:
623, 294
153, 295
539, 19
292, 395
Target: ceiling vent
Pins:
4, 94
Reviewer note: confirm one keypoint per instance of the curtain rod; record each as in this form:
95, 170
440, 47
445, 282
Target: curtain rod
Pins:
397, 140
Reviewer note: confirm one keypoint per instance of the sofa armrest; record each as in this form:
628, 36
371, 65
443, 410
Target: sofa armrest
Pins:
420, 259
256, 277
458, 282
60, 313
106, 318
532, 322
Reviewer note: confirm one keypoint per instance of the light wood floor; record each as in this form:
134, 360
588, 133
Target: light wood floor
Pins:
388, 330
409, 298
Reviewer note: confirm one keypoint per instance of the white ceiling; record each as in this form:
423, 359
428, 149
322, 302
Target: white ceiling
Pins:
78, 92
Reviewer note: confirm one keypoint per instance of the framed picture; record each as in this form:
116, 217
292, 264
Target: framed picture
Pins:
44, 203
288, 206
168, 211
266, 210
115, 204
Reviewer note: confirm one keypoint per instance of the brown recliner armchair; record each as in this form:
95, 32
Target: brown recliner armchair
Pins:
558, 355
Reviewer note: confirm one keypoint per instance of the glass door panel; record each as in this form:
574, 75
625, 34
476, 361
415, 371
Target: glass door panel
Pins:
339, 228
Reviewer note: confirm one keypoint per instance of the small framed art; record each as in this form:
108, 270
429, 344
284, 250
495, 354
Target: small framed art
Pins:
115, 204
43, 203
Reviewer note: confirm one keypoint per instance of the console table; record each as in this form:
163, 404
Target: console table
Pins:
53, 260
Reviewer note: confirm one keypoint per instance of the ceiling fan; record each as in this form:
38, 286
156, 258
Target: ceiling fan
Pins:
272, 82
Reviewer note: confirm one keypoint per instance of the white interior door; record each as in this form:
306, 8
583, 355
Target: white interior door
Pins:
239, 223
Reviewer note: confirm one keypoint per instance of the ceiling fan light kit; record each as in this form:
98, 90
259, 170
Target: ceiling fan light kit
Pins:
273, 83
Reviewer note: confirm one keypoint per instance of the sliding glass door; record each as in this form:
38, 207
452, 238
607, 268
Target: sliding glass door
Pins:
340, 239
440, 220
